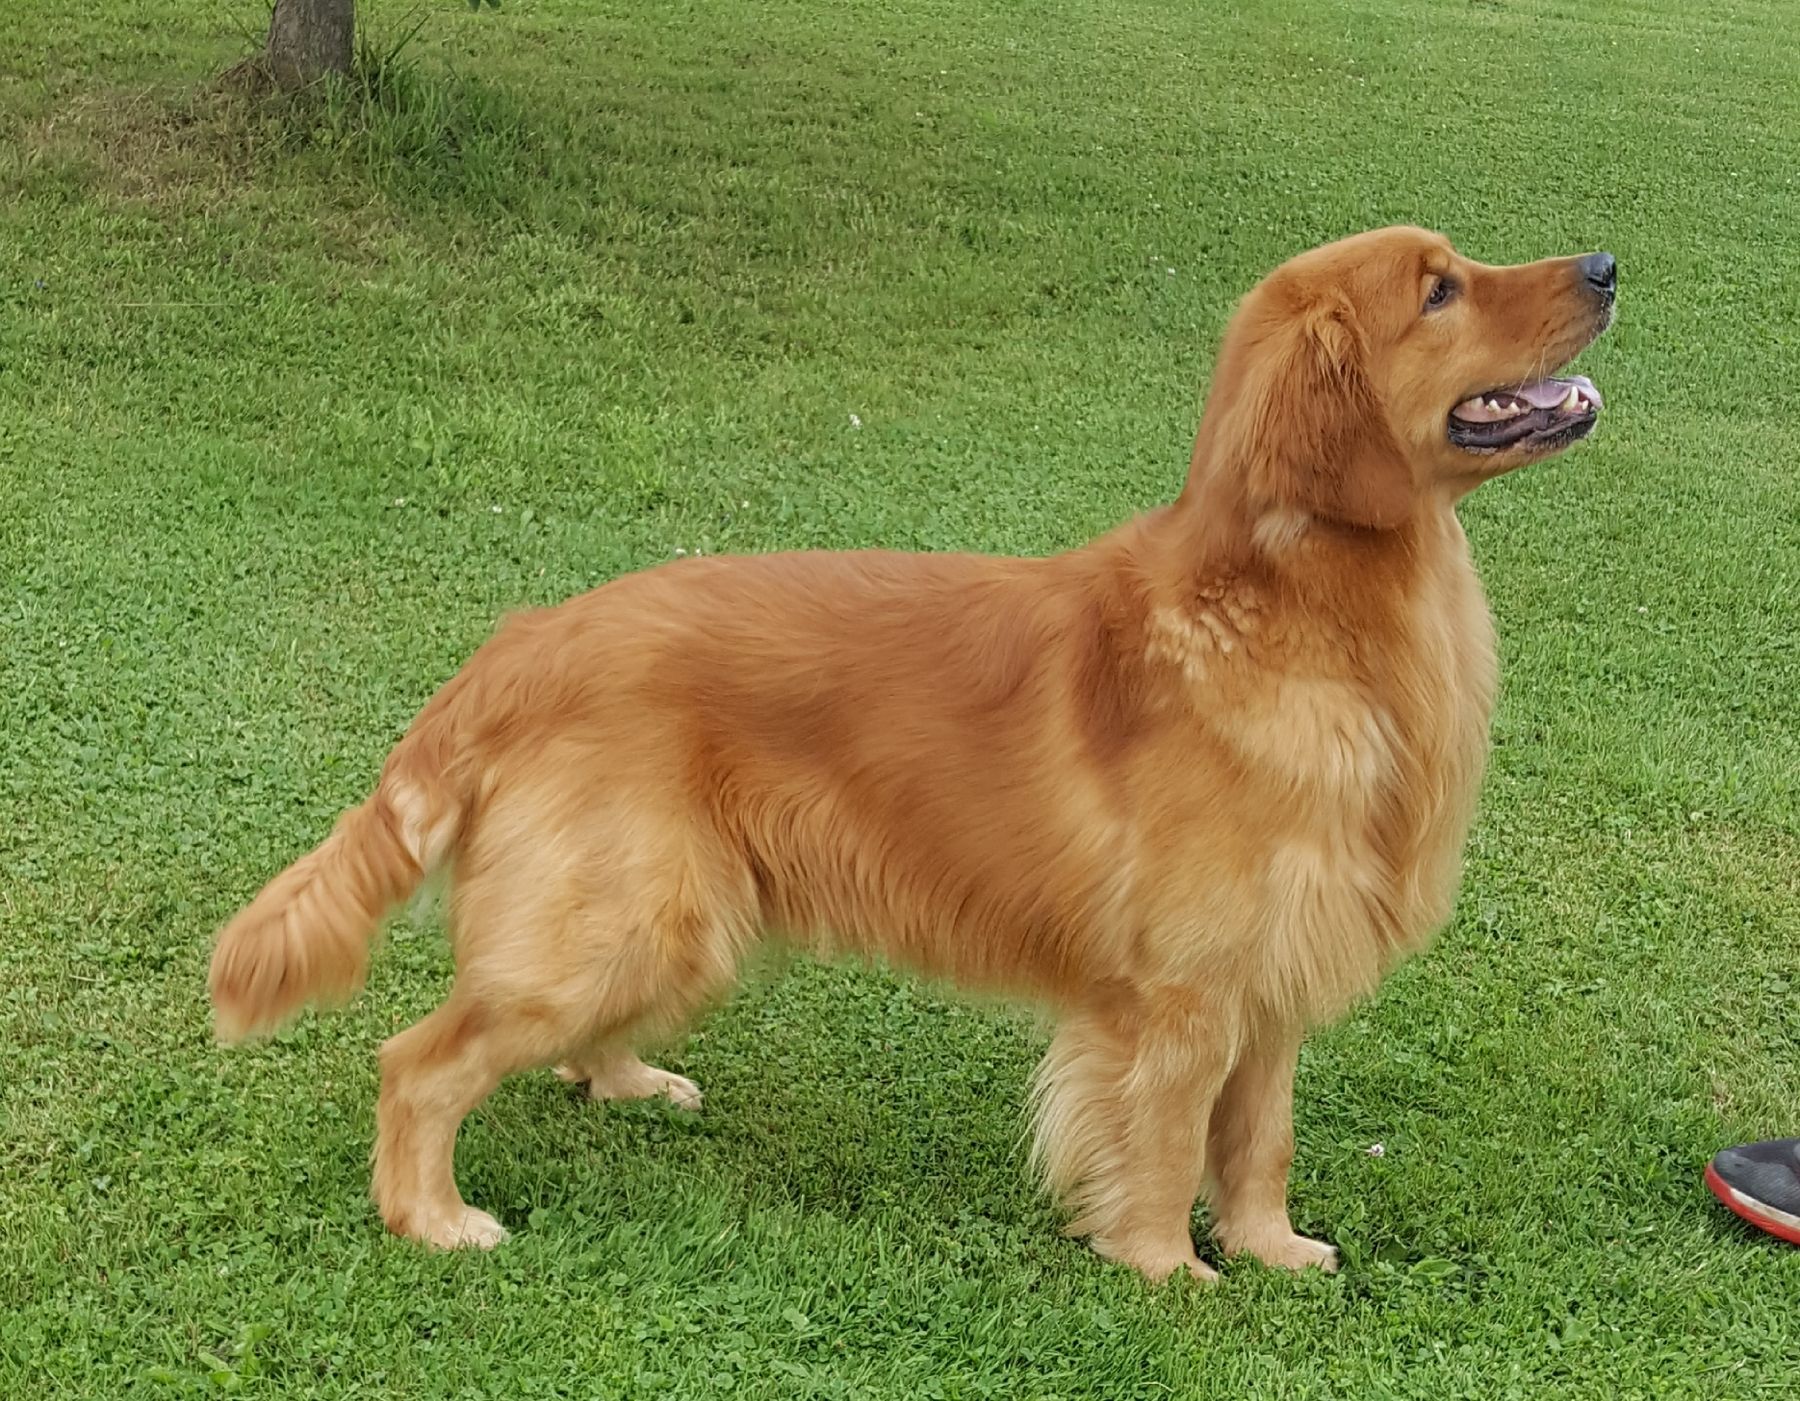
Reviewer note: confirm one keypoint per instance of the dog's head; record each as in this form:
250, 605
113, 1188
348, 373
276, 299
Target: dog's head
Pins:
1361, 377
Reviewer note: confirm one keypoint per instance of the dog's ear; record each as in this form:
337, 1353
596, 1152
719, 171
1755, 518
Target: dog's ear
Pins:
1314, 434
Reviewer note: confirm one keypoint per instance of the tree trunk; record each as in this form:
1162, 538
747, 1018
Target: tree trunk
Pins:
310, 38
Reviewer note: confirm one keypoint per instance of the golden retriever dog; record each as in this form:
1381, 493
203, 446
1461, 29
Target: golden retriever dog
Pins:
1193, 788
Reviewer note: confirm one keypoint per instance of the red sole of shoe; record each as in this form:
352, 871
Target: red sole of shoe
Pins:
1779, 1229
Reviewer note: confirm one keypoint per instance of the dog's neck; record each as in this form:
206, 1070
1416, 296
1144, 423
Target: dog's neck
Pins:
1215, 528
1211, 572
1214, 553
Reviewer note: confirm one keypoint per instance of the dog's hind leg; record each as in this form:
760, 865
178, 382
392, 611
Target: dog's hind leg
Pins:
493, 1025
561, 947
686, 959
432, 1075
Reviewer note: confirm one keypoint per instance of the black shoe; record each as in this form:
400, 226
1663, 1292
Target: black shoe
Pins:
1761, 1183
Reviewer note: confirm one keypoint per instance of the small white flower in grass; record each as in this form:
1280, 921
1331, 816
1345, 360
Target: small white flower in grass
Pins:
679, 550
1642, 609
399, 500
496, 509
1375, 1150
855, 422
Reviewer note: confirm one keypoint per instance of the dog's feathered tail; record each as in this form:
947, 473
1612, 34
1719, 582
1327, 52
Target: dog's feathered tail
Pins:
305, 939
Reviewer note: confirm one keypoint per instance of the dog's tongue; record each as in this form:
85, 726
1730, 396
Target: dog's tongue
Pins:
1544, 394
1548, 393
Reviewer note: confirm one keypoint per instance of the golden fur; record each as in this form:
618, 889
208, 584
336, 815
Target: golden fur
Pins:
1195, 787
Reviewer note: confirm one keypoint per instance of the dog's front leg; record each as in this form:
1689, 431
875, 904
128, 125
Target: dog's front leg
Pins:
1250, 1149
1124, 1100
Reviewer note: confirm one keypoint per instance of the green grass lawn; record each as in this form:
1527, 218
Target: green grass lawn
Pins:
291, 408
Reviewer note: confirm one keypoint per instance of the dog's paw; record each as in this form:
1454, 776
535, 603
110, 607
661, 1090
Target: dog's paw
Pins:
1156, 1269
1303, 1253
465, 1230
680, 1091
1156, 1261
1286, 1251
627, 1077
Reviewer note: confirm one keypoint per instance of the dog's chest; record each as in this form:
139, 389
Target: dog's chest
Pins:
1346, 796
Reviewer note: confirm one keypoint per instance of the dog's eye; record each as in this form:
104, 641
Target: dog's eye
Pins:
1442, 291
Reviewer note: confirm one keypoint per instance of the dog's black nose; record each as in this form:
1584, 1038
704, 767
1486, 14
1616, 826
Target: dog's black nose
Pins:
1600, 272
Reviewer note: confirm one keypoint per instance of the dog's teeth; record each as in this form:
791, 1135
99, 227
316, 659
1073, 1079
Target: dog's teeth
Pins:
1572, 400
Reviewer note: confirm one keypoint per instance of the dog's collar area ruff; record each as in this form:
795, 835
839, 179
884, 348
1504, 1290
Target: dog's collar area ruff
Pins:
1542, 413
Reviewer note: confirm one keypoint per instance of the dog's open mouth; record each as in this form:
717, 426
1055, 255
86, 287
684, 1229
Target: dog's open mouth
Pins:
1543, 413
